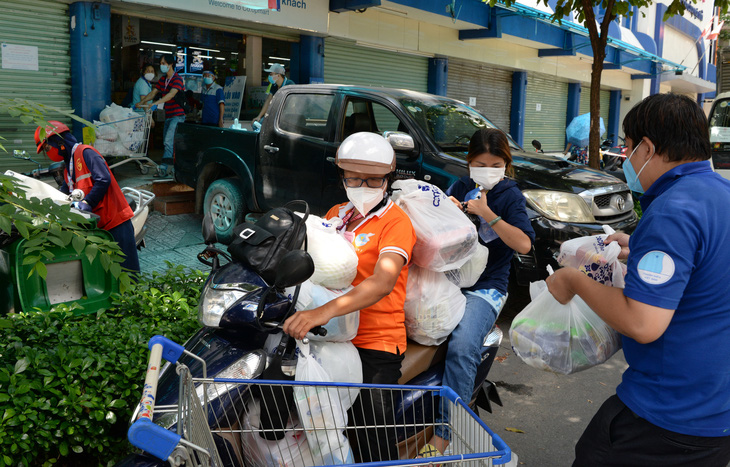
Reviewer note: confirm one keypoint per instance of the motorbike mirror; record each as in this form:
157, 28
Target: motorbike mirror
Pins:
294, 268
209, 235
536, 144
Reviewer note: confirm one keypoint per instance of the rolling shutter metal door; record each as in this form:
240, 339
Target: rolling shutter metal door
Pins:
585, 103
492, 88
347, 63
43, 24
546, 125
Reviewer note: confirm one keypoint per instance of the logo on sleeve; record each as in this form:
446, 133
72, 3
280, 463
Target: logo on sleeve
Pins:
656, 267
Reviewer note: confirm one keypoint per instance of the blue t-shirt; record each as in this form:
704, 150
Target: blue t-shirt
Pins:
141, 88
507, 201
678, 260
211, 97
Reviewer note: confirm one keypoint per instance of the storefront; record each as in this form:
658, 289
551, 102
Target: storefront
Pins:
546, 112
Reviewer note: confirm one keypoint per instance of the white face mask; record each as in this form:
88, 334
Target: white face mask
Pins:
149, 76
365, 198
486, 177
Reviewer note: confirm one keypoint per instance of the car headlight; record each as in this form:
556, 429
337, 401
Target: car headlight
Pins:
215, 300
559, 206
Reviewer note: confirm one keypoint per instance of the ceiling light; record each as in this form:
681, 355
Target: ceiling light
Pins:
158, 43
280, 58
200, 48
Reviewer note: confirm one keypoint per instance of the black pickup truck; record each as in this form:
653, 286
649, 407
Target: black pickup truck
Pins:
238, 172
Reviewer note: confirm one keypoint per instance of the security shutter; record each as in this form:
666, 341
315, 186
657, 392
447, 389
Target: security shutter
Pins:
347, 63
43, 24
545, 112
724, 78
490, 86
585, 104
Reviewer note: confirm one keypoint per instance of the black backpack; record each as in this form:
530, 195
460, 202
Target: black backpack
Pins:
263, 244
182, 101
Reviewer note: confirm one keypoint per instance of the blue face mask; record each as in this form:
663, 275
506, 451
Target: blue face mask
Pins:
164, 69
208, 81
272, 80
632, 178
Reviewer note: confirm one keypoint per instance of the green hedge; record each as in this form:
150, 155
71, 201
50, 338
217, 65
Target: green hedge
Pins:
68, 385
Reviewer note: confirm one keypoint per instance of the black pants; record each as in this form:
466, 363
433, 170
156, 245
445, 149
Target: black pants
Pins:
618, 437
375, 407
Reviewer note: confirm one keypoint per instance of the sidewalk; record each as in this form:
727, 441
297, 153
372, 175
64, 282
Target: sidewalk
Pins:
177, 239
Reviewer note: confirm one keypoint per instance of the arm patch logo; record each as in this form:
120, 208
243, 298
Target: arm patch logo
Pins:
655, 267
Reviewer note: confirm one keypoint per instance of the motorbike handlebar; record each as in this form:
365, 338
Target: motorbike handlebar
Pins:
317, 330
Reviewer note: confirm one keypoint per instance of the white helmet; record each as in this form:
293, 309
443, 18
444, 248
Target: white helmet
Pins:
366, 153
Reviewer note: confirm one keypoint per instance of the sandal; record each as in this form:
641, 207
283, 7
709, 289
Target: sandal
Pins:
429, 451
161, 171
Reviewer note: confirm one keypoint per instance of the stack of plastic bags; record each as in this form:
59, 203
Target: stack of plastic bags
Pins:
447, 255
120, 131
569, 338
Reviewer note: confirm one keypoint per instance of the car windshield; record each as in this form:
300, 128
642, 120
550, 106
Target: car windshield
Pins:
449, 123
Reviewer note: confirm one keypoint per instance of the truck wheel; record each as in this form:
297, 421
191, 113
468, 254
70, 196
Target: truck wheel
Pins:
224, 202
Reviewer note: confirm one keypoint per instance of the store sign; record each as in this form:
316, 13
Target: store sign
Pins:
130, 31
233, 94
196, 66
298, 14
20, 57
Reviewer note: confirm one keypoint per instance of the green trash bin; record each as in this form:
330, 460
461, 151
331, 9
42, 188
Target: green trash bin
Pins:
71, 278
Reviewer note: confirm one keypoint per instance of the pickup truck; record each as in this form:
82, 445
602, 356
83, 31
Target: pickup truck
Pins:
238, 172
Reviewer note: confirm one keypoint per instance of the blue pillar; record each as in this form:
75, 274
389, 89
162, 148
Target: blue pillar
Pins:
614, 108
311, 59
702, 66
573, 106
519, 102
659, 40
91, 73
438, 75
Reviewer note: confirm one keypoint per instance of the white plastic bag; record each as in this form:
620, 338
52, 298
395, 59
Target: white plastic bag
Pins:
433, 306
595, 258
341, 361
564, 339
340, 329
446, 238
335, 260
290, 451
468, 274
321, 412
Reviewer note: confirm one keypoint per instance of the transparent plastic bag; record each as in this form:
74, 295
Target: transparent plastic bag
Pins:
335, 260
433, 306
321, 412
560, 338
592, 256
340, 329
341, 361
468, 274
445, 237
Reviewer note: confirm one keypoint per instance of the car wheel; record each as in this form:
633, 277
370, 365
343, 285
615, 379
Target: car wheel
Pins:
224, 202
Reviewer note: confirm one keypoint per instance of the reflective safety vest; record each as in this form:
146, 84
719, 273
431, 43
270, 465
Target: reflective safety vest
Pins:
113, 209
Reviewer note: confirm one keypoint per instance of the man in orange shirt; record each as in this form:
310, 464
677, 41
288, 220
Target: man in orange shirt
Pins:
383, 238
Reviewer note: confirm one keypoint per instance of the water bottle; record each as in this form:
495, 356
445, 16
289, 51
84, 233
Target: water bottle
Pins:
236, 125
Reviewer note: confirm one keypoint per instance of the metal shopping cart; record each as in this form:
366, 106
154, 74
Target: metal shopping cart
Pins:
127, 138
219, 422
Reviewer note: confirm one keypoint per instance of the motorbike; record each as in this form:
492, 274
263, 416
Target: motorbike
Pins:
612, 157
239, 312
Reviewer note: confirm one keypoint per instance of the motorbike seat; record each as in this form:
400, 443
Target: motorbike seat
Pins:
419, 358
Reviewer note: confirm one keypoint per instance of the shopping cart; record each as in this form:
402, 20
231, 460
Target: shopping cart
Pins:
126, 138
219, 421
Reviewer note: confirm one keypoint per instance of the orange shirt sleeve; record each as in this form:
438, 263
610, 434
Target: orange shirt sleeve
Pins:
398, 236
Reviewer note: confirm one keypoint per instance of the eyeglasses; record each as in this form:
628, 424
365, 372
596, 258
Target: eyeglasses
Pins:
370, 182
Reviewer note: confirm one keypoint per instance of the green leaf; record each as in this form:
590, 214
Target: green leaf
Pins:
20, 366
91, 251
78, 243
111, 417
78, 449
30, 260
117, 404
5, 225
63, 448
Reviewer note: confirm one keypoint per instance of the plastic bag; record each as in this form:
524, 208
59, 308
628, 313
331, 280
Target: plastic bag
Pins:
290, 451
560, 338
335, 260
433, 306
340, 329
321, 412
471, 271
446, 238
341, 361
595, 258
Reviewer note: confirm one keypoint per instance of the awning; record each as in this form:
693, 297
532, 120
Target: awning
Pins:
688, 84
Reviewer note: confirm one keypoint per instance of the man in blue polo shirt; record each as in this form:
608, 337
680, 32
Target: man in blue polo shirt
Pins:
211, 95
673, 405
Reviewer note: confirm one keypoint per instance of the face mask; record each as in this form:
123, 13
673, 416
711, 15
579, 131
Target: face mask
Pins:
164, 69
364, 198
149, 76
272, 80
53, 154
486, 177
208, 81
632, 178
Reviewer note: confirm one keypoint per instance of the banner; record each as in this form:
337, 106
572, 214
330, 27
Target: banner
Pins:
130, 31
233, 94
